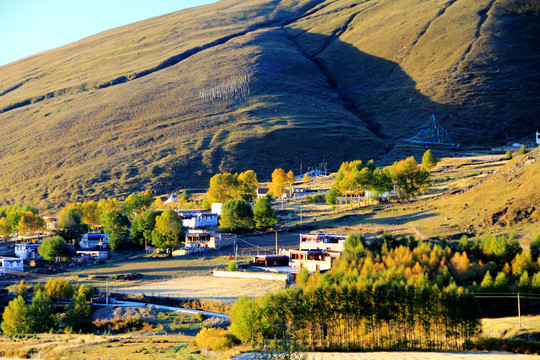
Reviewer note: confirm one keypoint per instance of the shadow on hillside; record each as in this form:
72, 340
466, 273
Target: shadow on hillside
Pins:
380, 105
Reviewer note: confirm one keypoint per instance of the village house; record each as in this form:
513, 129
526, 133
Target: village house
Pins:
271, 260
205, 240
51, 222
262, 192
196, 220
93, 254
327, 242
94, 241
312, 260
11, 264
28, 251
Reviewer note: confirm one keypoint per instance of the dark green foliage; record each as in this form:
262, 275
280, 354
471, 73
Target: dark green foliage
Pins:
263, 214
535, 248
142, 226
86, 290
332, 195
236, 216
319, 198
41, 314
54, 249
500, 249
116, 225
136, 203
508, 155
79, 314
514, 345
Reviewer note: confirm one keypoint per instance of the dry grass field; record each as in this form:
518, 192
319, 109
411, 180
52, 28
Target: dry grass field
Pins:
206, 287
332, 80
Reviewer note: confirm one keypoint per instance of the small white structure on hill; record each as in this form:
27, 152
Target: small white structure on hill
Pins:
11, 263
538, 137
171, 200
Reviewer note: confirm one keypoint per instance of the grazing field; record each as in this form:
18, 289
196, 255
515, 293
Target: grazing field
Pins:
206, 287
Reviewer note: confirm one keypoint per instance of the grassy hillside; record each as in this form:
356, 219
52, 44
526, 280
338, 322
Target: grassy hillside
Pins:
330, 81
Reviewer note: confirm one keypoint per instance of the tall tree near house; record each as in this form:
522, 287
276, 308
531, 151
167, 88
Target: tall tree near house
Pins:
168, 231
138, 202
5, 228
106, 205
54, 248
236, 216
263, 214
142, 227
30, 223
70, 225
223, 187
248, 184
290, 182
91, 214
279, 183
116, 225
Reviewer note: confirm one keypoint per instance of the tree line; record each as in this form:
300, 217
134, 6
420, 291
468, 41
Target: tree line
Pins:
393, 293
405, 177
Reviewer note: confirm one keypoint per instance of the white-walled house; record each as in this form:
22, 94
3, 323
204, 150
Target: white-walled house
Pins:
200, 220
28, 251
11, 263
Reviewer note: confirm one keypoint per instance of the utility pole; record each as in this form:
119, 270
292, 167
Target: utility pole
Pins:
519, 310
276, 244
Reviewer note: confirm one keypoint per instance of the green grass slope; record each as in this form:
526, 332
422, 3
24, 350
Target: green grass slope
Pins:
121, 111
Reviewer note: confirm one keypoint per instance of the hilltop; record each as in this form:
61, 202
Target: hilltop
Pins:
323, 81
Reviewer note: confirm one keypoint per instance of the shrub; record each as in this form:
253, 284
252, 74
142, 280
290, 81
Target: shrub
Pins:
215, 339
508, 155
232, 266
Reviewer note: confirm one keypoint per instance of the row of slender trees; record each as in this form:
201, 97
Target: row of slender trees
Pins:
394, 293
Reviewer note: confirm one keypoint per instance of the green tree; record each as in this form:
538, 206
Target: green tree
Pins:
168, 231
142, 227
91, 214
233, 266
290, 182
263, 214
332, 195
70, 225
54, 249
41, 313
245, 319
522, 262
522, 150
15, 318
487, 284
138, 202
206, 205
508, 155
5, 228
88, 291
248, 184
116, 225
79, 314
429, 160
236, 216
534, 248
22, 289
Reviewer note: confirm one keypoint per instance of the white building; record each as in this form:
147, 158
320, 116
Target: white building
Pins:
200, 220
326, 242
538, 137
11, 264
216, 208
27, 251
91, 241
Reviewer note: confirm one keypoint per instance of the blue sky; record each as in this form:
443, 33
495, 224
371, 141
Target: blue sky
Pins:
28, 27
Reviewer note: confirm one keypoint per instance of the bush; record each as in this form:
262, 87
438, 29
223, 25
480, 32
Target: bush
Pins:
519, 346
232, 266
508, 155
318, 198
215, 339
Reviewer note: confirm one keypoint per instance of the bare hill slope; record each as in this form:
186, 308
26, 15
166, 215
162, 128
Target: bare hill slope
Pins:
129, 109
